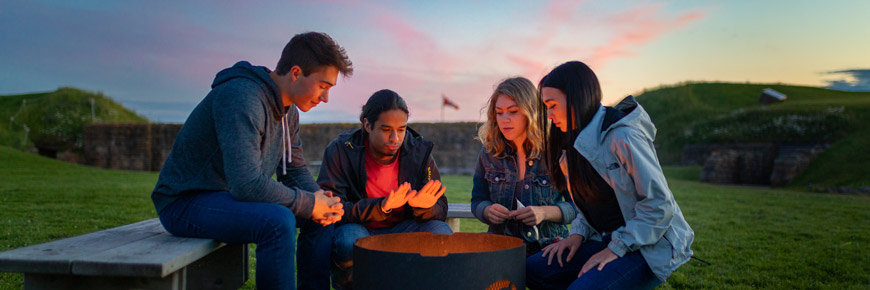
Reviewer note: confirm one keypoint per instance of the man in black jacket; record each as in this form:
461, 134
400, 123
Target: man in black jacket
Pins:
374, 170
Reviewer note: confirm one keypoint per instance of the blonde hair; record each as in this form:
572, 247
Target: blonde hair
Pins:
523, 92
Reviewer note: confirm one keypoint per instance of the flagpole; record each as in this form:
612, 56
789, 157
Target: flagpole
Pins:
443, 103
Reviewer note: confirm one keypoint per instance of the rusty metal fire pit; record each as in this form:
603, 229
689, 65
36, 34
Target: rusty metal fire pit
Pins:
428, 261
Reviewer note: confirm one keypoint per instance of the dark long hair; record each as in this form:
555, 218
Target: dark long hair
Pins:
582, 99
381, 101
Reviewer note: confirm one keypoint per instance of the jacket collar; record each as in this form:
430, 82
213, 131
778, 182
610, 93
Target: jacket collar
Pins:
415, 153
594, 135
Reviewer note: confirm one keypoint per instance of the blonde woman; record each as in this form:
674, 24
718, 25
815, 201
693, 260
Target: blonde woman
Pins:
512, 191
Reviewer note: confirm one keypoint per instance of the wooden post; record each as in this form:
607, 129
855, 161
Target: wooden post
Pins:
454, 224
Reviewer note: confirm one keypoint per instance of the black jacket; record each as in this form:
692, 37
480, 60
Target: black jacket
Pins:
343, 172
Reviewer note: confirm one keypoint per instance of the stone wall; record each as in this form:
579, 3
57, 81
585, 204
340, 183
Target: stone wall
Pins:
128, 146
792, 161
146, 146
456, 146
758, 164
697, 154
455, 149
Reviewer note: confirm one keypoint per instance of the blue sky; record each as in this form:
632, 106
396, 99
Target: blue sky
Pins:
159, 57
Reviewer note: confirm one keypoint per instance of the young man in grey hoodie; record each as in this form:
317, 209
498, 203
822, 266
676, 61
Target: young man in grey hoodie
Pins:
217, 182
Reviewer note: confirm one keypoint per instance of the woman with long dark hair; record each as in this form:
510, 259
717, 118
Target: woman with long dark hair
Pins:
512, 190
630, 233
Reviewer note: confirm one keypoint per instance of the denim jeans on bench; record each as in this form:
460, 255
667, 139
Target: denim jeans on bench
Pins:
271, 226
628, 272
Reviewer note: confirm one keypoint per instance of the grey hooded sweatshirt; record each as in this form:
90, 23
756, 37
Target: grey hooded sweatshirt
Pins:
623, 154
234, 141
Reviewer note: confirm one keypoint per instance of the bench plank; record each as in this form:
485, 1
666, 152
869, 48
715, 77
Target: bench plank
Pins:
456, 211
136, 256
155, 256
459, 210
57, 257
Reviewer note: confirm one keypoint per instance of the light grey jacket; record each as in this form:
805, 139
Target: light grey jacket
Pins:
623, 154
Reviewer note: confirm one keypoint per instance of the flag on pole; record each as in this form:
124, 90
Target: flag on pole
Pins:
448, 103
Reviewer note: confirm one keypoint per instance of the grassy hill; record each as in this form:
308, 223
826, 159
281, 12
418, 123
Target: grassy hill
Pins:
56, 117
685, 114
755, 238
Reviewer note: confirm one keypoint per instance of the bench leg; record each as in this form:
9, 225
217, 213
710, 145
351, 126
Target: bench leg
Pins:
33, 281
454, 224
226, 268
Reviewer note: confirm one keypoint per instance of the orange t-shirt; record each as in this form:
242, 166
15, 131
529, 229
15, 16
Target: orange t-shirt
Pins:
380, 180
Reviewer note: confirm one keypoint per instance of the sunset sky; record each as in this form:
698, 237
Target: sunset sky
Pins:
159, 57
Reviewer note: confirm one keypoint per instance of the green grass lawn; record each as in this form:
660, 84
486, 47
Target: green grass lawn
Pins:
754, 237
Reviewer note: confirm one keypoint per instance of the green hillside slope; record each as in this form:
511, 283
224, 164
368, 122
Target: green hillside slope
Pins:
809, 115
56, 118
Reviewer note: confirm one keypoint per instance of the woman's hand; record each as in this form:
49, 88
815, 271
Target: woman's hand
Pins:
572, 243
530, 215
599, 259
496, 213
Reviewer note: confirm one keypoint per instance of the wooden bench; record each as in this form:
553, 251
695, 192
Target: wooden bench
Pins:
456, 211
136, 256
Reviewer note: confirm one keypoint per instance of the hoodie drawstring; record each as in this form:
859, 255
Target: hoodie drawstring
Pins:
285, 144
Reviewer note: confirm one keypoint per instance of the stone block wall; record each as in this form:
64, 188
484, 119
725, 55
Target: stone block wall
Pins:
128, 146
757, 164
792, 161
146, 146
720, 167
315, 137
455, 149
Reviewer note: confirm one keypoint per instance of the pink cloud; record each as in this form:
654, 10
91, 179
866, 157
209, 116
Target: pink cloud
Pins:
421, 69
637, 27
420, 49
630, 30
556, 15
528, 65
404, 56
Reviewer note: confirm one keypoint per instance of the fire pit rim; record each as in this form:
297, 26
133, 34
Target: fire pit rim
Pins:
506, 239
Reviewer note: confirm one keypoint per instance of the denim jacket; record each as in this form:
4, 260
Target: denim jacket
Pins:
495, 181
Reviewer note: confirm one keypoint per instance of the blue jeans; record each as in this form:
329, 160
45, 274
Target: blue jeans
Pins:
347, 234
271, 226
628, 272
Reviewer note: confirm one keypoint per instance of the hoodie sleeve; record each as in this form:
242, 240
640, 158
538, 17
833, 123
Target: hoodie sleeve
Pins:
439, 210
655, 205
297, 175
240, 119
